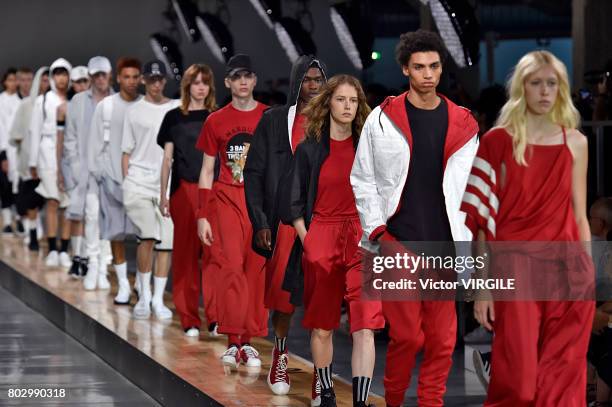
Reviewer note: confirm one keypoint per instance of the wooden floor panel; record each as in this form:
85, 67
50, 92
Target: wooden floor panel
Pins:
196, 360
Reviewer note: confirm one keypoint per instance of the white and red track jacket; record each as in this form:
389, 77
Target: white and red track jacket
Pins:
382, 160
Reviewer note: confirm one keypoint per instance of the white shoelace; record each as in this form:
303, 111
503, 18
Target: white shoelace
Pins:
281, 368
231, 351
250, 352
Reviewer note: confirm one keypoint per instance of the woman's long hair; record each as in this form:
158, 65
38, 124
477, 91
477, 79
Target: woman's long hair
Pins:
318, 111
190, 75
513, 115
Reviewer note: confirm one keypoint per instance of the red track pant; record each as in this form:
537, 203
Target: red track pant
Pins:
185, 260
240, 303
276, 298
539, 354
332, 264
430, 326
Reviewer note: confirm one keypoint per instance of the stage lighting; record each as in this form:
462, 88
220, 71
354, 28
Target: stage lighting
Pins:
186, 11
167, 51
354, 33
458, 27
216, 36
293, 38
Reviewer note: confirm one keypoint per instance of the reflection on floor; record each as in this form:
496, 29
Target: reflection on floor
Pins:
195, 360
34, 354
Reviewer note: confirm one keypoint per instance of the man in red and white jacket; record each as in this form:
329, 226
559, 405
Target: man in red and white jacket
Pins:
409, 175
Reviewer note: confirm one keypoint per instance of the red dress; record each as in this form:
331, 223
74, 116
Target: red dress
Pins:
539, 347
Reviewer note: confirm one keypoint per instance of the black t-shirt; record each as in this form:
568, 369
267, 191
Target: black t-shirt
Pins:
183, 131
422, 215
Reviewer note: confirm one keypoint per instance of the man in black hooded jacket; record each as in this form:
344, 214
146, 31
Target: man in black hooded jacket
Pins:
270, 156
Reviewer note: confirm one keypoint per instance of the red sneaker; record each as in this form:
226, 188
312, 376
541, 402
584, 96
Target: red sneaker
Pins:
250, 356
315, 398
278, 378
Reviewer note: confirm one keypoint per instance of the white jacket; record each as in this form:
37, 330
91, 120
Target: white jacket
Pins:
382, 160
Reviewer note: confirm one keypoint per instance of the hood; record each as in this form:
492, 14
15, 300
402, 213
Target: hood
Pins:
36, 83
461, 124
59, 63
298, 71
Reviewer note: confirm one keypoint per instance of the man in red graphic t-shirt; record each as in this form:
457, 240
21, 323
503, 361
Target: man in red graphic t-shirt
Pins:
227, 133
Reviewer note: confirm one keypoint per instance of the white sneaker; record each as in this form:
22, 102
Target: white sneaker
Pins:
64, 260
231, 357
250, 356
103, 283
123, 293
192, 332
161, 311
90, 281
142, 309
52, 259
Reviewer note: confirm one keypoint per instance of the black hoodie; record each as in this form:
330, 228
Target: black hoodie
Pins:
270, 156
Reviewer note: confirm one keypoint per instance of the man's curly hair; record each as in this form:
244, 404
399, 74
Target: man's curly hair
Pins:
418, 41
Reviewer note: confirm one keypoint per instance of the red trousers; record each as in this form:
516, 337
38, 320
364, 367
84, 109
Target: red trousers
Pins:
332, 264
539, 354
277, 299
240, 303
430, 326
185, 260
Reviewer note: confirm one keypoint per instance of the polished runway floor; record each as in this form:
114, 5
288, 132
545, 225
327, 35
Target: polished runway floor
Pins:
34, 354
196, 362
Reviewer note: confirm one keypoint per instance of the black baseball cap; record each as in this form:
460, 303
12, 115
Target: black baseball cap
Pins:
154, 68
237, 63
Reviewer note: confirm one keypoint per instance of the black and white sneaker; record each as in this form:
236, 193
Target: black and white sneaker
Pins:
74, 269
328, 398
7, 230
482, 364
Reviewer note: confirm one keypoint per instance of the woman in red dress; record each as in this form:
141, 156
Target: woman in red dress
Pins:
528, 183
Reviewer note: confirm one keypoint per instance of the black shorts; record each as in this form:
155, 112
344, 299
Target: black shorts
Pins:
27, 197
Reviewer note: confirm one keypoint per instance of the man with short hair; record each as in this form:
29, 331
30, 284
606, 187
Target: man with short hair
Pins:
9, 102
410, 170
104, 164
276, 137
79, 184
227, 133
141, 164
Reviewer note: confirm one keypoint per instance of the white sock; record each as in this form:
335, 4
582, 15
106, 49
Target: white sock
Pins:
7, 217
145, 282
159, 286
121, 270
76, 242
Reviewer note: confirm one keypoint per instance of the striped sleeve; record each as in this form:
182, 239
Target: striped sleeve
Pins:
480, 201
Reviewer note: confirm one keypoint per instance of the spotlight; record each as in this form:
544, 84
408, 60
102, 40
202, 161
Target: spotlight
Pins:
293, 38
458, 28
216, 36
354, 32
187, 12
167, 51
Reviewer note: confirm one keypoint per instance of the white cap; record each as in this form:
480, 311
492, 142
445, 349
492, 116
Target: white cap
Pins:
99, 64
60, 63
78, 72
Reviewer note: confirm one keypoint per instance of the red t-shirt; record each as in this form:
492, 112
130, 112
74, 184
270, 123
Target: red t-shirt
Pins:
334, 192
298, 130
227, 132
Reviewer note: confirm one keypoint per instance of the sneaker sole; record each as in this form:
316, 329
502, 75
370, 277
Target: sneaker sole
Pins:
232, 364
480, 371
279, 388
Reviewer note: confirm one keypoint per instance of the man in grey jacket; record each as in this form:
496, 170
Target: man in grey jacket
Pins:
81, 187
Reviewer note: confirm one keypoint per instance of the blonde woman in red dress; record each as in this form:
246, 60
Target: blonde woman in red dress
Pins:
528, 183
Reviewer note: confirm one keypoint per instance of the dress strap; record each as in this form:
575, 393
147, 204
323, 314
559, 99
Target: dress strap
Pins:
564, 135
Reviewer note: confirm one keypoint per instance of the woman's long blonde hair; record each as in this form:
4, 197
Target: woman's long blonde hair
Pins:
513, 116
318, 111
190, 75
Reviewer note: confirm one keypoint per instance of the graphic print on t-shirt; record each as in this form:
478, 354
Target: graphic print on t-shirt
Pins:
237, 149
